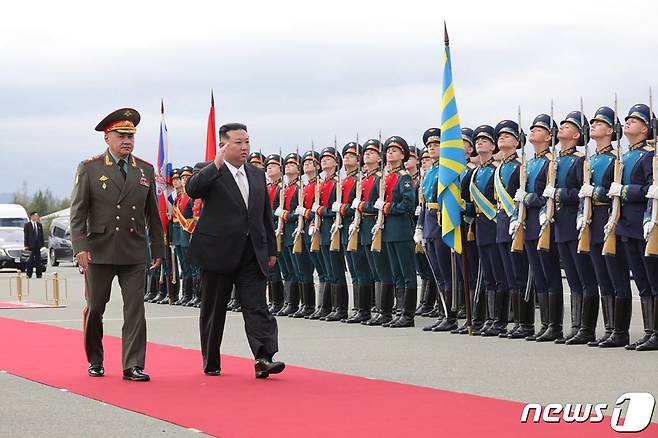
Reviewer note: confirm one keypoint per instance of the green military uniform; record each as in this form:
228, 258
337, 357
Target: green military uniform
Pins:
110, 215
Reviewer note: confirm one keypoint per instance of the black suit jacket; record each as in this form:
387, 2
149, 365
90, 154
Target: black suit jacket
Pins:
31, 239
226, 225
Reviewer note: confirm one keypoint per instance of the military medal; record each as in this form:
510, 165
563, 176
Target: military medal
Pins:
102, 179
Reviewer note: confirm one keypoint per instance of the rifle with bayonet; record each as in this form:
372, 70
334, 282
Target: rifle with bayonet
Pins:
421, 202
353, 237
652, 239
334, 243
585, 215
610, 229
282, 200
517, 238
544, 243
376, 245
299, 230
317, 220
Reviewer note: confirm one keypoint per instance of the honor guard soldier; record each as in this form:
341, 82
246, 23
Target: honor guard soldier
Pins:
482, 193
428, 230
398, 205
113, 203
257, 159
545, 262
334, 261
182, 211
510, 138
377, 258
286, 227
603, 130
274, 186
569, 179
637, 177
311, 165
362, 283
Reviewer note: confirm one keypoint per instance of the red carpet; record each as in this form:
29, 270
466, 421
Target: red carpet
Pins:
299, 403
25, 305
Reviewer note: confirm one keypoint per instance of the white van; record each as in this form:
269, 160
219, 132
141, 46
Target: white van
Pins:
12, 215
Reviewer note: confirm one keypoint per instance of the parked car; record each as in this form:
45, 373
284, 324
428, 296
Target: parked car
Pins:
12, 250
59, 243
12, 215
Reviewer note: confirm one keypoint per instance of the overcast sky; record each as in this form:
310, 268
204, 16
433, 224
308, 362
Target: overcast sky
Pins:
299, 71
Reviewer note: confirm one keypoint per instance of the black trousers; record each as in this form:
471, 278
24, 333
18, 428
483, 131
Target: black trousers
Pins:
260, 326
34, 262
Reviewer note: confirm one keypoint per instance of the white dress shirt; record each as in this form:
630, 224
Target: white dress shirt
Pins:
241, 180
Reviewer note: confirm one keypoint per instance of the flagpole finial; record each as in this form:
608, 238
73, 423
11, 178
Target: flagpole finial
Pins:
161, 106
445, 34
212, 98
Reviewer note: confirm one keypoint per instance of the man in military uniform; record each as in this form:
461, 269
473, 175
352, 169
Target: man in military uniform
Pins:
183, 211
113, 203
274, 187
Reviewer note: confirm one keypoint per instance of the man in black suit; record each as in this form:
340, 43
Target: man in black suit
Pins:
234, 245
33, 240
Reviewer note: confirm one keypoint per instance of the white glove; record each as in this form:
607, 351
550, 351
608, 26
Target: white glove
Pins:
580, 222
297, 232
279, 212
335, 207
519, 196
334, 228
379, 204
375, 228
542, 219
652, 193
311, 230
418, 235
549, 192
648, 227
418, 209
355, 203
351, 229
315, 207
513, 226
615, 190
586, 191
300, 210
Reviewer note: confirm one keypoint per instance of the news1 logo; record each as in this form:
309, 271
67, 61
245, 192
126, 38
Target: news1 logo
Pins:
639, 409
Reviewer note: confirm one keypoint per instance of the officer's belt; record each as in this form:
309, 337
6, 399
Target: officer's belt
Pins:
432, 205
599, 204
368, 214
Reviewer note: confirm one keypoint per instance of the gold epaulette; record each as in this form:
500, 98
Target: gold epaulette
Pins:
579, 154
142, 161
402, 172
649, 148
471, 165
94, 158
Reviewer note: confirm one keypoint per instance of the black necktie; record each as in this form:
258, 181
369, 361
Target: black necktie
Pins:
123, 171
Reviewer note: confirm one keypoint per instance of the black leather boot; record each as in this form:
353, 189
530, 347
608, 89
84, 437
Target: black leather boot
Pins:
587, 332
409, 301
422, 305
187, 292
501, 312
308, 301
619, 337
491, 310
397, 307
277, 297
340, 297
652, 343
324, 302
608, 310
576, 317
287, 288
514, 302
431, 299
363, 314
646, 304
153, 288
555, 318
449, 322
162, 292
526, 316
386, 306
293, 300
542, 300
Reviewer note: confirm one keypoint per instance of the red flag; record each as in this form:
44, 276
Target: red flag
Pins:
211, 136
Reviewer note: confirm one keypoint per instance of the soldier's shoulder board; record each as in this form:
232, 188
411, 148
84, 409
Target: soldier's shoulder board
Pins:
649, 148
579, 154
471, 165
402, 172
141, 161
94, 158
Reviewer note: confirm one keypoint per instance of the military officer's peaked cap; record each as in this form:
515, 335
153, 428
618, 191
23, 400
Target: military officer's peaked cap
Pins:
352, 148
574, 117
413, 151
432, 135
311, 155
485, 131
544, 121
292, 158
273, 159
374, 145
607, 116
424, 153
175, 173
511, 127
186, 171
641, 112
467, 136
255, 156
123, 120
333, 153
398, 142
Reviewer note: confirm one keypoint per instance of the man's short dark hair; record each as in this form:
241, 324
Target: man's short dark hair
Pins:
224, 129
33, 213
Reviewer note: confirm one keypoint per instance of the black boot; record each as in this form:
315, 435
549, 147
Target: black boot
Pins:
646, 303
340, 298
526, 316
287, 290
187, 292
448, 323
308, 291
652, 342
162, 292
153, 288
576, 317
293, 300
555, 318
324, 302
514, 302
397, 307
386, 306
277, 297
409, 300
608, 310
431, 299
501, 319
490, 314
587, 332
542, 300
422, 306
363, 314
303, 295
619, 337
376, 305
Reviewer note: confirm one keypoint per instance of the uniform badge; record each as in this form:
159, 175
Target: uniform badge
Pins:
103, 178
104, 186
406, 184
144, 182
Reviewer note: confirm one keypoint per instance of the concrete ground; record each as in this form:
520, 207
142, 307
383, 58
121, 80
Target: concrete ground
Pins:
501, 368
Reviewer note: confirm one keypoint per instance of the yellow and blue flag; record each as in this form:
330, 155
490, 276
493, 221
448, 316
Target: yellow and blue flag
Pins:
452, 161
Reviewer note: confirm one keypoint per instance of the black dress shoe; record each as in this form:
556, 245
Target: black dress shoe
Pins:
136, 375
264, 367
96, 371
212, 373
